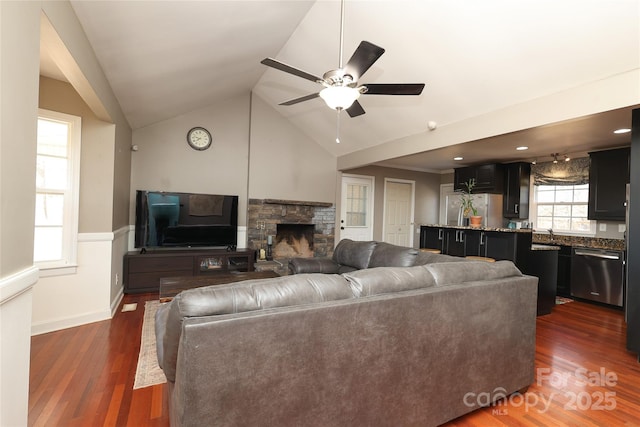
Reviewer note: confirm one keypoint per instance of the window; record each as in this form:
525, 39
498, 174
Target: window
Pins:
57, 183
357, 205
562, 208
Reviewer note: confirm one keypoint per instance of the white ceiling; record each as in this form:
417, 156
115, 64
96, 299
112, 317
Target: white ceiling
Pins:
166, 58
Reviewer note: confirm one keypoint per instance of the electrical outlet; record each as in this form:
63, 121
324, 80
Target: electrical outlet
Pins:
603, 227
117, 279
622, 228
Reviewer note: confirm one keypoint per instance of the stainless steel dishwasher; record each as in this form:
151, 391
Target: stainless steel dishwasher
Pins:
598, 275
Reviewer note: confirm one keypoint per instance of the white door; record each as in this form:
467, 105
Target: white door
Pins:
356, 208
398, 212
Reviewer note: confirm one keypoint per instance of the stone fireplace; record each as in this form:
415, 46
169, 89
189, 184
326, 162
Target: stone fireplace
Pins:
293, 240
297, 228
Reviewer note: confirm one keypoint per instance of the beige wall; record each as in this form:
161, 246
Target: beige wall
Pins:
285, 163
19, 68
19, 111
255, 154
427, 197
97, 155
606, 94
165, 162
75, 57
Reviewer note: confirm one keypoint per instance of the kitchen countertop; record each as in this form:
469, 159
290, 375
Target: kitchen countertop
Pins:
462, 227
579, 241
536, 247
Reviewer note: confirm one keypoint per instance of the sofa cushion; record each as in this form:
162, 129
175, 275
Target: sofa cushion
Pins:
448, 273
353, 254
424, 258
381, 280
388, 255
313, 265
243, 296
259, 294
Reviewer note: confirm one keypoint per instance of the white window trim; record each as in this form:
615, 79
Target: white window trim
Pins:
533, 217
69, 260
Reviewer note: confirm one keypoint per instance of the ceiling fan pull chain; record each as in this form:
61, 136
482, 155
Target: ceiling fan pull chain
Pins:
338, 129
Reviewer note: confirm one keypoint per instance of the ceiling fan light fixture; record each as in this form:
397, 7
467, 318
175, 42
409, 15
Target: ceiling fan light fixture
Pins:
339, 97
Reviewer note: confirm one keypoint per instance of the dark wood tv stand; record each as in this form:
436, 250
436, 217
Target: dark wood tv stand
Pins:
143, 271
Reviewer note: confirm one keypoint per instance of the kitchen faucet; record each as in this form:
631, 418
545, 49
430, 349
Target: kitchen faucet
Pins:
550, 233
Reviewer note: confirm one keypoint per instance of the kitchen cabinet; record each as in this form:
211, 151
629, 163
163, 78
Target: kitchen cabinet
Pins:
432, 237
489, 178
463, 242
516, 190
543, 264
450, 241
501, 245
608, 177
564, 271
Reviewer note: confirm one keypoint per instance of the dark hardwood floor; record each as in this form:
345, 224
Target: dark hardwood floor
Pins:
84, 376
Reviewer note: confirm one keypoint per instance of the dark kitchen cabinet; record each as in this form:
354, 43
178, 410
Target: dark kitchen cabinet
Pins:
455, 243
451, 241
608, 177
516, 190
432, 238
489, 178
462, 242
501, 245
564, 271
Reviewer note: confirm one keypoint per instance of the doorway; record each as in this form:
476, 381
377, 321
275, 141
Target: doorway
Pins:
356, 207
399, 201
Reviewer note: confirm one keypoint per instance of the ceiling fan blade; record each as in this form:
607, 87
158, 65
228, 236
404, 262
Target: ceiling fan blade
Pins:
394, 89
362, 59
355, 110
301, 99
274, 63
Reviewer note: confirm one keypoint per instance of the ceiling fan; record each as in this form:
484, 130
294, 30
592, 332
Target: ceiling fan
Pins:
341, 90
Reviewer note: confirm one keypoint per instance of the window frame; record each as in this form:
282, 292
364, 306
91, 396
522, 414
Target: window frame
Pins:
68, 262
533, 216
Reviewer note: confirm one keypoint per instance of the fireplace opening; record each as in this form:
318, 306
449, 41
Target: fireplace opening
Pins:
294, 240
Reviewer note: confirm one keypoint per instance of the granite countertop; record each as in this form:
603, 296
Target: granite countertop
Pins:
579, 241
463, 227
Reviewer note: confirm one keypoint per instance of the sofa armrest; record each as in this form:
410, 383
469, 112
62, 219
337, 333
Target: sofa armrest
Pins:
313, 265
160, 329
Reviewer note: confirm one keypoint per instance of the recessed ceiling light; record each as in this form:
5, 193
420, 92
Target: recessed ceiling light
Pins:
458, 158
623, 130
522, 148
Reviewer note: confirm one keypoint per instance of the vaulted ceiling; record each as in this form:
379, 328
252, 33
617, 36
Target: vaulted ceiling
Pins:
166, 58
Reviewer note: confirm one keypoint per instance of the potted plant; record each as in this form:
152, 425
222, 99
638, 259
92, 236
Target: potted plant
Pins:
468, 210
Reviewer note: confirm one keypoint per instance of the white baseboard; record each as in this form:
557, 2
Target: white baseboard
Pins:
116, 301
69, 322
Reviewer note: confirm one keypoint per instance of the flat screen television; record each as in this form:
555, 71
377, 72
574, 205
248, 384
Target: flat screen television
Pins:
183, 220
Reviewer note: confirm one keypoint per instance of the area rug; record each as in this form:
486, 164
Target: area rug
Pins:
148, 372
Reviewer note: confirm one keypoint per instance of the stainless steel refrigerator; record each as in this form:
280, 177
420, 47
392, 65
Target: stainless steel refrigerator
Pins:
489, 206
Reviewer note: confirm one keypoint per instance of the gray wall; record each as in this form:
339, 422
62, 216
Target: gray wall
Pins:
255, 154
97, 155
427, 197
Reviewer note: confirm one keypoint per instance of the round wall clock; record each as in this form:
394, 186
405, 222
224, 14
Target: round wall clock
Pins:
199, 138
